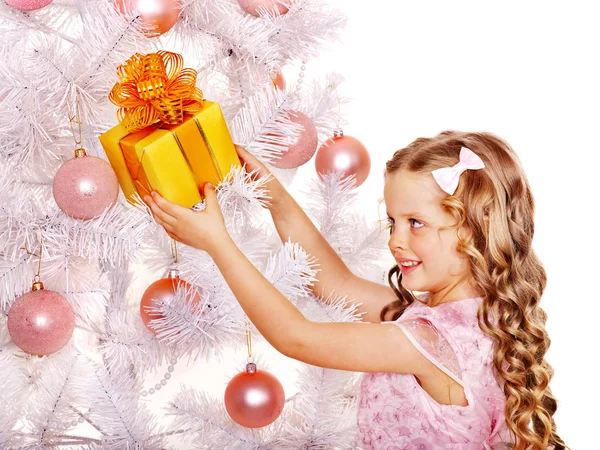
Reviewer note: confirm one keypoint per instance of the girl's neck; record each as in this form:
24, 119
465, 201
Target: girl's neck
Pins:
453, 293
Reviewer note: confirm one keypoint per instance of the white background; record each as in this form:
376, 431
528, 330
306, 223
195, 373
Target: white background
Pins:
528, 72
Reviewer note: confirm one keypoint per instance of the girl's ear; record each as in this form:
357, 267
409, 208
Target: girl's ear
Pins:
463, 232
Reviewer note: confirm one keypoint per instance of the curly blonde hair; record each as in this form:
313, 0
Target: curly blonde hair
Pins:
497, 207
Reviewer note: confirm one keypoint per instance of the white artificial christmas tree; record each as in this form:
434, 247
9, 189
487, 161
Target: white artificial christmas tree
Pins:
100, 390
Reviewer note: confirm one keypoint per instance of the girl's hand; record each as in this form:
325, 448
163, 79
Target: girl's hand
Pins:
252, 164
203, 230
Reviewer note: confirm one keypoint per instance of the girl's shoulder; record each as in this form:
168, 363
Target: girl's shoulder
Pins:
448, 334
458, 317
458, 312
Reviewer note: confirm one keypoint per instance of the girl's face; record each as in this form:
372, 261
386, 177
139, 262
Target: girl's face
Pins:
424, 250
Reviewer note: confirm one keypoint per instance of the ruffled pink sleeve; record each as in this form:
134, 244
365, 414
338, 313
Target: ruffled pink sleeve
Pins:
429, 339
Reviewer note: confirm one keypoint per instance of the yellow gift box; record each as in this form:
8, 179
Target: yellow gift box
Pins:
174, 160
169, 138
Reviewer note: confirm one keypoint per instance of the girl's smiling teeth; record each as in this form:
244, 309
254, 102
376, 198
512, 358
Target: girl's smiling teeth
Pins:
407, 266
409, 263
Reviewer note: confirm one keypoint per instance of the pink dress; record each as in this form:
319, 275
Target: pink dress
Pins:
395, 412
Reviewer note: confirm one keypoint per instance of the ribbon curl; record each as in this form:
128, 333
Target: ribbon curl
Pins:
155, 87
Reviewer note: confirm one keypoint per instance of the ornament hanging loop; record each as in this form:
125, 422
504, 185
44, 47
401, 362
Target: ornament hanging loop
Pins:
174, 252
75, 118
37, 281
250, 366
339, 116
334, 88
249, 342
37, 275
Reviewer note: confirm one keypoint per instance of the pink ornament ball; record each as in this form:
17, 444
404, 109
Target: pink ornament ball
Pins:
159, 16
305, 146
279, 81
27, 5
41, 322
344, 154
84, 187
254, 6
163, 290
254, 398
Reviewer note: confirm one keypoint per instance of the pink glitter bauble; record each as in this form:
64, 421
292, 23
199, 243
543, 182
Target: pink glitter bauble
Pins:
41, 322
305, 146
344, 154
253, 6
84, 187
254, 398
158, 16
27, 5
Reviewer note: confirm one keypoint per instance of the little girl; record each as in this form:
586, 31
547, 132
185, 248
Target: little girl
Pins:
460, 367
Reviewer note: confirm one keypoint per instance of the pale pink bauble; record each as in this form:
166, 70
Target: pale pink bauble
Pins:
41, 322
84, 187
344, 154
254, 399
27, 5
253, 6
303, 148
158, 15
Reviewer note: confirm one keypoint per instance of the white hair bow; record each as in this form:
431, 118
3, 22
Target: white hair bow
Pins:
447, 177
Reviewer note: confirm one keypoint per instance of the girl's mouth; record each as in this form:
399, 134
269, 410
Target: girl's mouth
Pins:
408, 266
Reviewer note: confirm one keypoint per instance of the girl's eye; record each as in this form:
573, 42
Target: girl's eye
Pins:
416, 223
390, 224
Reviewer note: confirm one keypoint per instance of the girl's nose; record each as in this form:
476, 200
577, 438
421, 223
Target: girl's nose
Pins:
398, 240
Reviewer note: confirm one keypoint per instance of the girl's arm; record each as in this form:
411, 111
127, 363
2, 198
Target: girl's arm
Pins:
334, 276
363, 347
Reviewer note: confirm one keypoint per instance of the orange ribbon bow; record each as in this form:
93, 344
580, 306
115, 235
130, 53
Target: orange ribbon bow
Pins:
154, 87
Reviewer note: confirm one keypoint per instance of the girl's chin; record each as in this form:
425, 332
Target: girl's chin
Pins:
412, 286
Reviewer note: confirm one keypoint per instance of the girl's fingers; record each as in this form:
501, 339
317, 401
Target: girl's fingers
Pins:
241, 151
172, 209
242, 155
245, 156
167, 226
210, 195
159, 214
